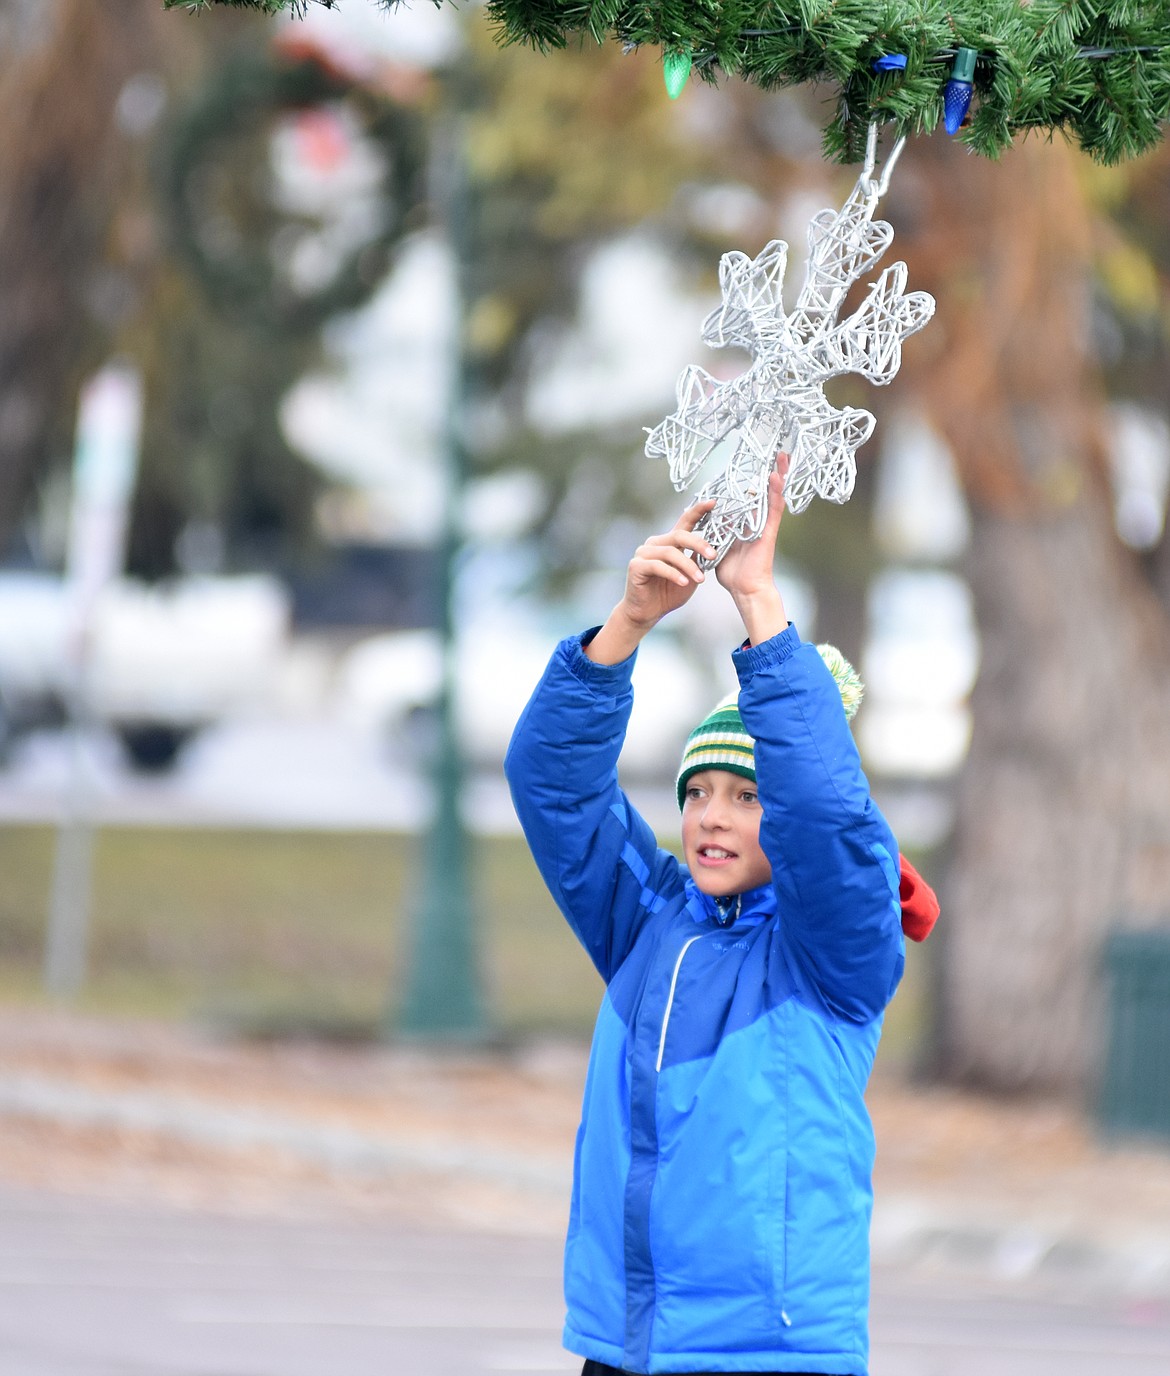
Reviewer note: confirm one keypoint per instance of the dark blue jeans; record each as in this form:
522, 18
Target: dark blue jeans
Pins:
592, 1368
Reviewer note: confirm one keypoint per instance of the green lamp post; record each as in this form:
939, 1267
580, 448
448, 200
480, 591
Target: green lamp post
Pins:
443, 997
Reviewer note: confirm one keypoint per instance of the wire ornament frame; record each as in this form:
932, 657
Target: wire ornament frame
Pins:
778, 403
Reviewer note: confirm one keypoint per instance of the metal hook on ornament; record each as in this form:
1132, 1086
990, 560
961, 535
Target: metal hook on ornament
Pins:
875, 189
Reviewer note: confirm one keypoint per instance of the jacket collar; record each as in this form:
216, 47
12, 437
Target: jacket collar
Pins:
755, 905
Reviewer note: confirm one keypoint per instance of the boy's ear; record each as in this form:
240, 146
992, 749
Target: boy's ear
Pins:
920, 908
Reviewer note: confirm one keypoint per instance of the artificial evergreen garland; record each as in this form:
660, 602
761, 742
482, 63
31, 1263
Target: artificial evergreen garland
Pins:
1100, 73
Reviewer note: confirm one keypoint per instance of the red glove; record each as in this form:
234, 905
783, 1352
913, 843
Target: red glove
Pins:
919, 903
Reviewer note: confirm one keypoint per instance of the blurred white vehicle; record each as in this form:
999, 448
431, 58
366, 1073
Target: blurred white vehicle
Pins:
34, 629
390, 682
165, 660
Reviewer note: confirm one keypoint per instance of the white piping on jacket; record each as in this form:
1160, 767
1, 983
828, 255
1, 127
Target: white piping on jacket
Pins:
670, 999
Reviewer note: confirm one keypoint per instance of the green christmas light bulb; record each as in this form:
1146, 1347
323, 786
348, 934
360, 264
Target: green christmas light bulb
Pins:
676, 67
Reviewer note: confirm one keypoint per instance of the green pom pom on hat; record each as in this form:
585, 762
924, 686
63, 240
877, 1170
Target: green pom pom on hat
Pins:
849, 682
721, 741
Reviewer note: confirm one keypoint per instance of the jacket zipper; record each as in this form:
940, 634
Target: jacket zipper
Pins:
670, 999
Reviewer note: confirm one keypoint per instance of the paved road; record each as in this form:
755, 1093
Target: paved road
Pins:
100, 1289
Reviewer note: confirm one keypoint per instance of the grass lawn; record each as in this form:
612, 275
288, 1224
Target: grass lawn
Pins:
304, 932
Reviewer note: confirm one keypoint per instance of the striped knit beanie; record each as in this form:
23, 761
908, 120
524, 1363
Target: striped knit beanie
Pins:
720, 741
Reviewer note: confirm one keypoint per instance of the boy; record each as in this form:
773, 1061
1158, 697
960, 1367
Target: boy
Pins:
722, 1195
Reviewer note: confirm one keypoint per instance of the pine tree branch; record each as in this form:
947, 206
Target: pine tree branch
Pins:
1097, 73
297, 8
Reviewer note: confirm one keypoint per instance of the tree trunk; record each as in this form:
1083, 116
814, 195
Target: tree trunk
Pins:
1061, 832
1063, 828
65, 64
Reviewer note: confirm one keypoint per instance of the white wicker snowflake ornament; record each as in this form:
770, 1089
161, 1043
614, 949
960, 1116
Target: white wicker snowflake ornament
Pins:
779, 403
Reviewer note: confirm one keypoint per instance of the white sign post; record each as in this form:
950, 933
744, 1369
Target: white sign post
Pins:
104, 469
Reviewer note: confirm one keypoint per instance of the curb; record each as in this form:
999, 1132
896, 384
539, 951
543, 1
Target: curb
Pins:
196, 1122
914, 1235
921, 1236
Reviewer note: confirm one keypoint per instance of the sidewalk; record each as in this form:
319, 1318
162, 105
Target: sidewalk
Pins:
1003, 1194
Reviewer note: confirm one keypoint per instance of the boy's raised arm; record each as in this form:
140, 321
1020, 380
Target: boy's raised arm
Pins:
598, 857
660, 578
834, 861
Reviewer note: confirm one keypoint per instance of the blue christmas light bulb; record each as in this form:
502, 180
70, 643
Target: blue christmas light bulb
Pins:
957, 91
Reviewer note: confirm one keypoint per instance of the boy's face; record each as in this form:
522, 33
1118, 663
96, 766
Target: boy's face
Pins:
721, 833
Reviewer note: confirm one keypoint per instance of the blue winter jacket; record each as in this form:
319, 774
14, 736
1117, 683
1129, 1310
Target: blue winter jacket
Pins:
722, 1196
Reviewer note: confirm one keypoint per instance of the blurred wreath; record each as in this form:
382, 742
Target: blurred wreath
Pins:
287, 184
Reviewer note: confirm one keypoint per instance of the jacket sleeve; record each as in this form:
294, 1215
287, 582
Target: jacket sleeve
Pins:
834, 860
597, 855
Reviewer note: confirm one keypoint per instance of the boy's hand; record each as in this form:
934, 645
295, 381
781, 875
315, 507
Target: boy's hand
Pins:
746, 569
660, 578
